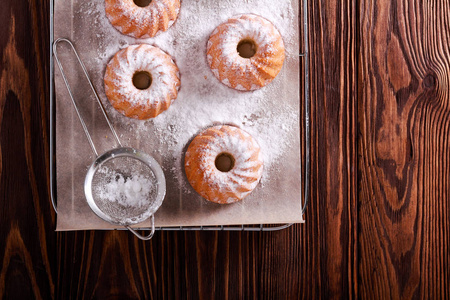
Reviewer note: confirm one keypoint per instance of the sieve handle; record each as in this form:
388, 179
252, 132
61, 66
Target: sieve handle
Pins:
142, 237
55, 53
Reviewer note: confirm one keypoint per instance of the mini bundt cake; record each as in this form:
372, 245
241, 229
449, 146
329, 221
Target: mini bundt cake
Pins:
142, 18
245, 53
141, 81
223, 164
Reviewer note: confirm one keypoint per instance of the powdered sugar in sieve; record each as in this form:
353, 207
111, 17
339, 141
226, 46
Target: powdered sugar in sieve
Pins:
125, 186
125, 189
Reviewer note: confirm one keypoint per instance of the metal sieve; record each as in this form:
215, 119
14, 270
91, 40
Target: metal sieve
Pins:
123, 186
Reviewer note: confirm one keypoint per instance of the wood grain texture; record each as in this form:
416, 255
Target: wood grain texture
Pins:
331, 236
404, 149
26, 218
378, 221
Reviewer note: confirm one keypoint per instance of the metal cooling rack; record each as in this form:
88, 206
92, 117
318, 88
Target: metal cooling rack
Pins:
257, 227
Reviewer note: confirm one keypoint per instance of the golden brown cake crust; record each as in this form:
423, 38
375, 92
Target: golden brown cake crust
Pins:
137, 103
142, 22
239, 72
217, 186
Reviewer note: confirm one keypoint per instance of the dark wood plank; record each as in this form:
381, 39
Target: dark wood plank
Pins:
28, 244
330, 240
404, 149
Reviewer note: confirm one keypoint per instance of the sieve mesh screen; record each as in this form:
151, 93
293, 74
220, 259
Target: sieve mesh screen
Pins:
125, 189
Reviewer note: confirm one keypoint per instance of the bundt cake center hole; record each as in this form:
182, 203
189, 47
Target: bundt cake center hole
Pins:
142, 80
224, 162
247, 48
142, 3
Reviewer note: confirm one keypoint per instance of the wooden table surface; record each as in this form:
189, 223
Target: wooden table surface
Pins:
377, 225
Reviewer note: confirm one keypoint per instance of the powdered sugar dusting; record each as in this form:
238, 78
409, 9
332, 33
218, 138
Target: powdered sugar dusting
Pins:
125, 190
246, 73
250, 27
142, 22
134, 191
203, 101
237, 182
164, 73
